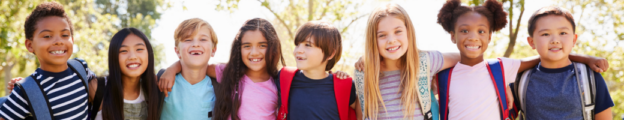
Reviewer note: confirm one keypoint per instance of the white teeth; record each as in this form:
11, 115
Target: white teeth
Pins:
255, 60
555, 48
57, 52
133, 65
472, 47
394, 48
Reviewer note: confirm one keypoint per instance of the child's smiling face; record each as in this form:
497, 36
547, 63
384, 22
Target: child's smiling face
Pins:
471, 35
391, 38
133, 56
195, 51
553, 38
52, 42
253, 49
309, 56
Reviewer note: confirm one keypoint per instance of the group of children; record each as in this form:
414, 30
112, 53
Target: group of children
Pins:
394, 80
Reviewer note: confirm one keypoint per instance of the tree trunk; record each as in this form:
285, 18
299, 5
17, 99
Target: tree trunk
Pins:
7, 76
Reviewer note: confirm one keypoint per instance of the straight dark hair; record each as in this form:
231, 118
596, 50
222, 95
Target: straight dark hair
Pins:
323, 35
228, 94
112, 108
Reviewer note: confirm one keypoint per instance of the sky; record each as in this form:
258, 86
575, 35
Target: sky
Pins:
429, 34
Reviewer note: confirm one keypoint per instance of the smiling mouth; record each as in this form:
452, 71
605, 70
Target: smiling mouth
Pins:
554, 49
196, 53
472, 47
392, 49
255, 59
300, 58
57, 52
133, 65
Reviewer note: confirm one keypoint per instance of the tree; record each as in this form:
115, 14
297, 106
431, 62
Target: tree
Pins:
601, 33
12, 52
290, 14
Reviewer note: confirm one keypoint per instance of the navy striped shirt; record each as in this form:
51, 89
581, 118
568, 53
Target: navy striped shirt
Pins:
65, 91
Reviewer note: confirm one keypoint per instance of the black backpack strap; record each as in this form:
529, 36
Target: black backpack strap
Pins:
160, 72
97, 101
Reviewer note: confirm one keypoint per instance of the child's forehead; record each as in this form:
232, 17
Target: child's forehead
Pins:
52, 23
472, 18
552, 22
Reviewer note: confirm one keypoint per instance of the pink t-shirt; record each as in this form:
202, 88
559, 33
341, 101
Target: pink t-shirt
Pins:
259, 100
472, 93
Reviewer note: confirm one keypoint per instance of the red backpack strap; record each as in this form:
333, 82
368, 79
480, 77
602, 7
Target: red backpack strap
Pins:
342, 90
286, 77
497, 74
444, 83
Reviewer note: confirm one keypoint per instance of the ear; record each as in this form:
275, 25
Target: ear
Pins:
575, 38
28, 44
530, 41
177, 52
331, 56
453, 37
214, 50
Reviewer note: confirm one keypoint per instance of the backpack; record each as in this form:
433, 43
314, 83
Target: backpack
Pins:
584, 78
39, 106
496, 70
342, 90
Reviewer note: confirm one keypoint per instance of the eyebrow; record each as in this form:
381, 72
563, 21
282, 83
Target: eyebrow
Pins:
250, 42
46, 30
468, 25
397, 27
138, 44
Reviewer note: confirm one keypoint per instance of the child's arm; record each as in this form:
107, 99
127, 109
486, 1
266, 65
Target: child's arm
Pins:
168, 77
605, 115
341, 75
597, 64
358, 109
450, 59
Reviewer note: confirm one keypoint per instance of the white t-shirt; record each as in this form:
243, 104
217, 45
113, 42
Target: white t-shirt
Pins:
472, 94
139, 99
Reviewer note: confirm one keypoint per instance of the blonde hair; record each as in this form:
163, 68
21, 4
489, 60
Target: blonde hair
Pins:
190, 27
409, 63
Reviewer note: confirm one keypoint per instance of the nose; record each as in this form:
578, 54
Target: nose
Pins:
132, 55
195, 43
298, 50
473, 36
392, 39
255, 51
555, 40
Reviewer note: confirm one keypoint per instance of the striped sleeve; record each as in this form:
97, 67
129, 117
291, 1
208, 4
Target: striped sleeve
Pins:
437, 60
15, 107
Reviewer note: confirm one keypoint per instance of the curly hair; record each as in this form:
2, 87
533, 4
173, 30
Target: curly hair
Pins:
491, 9
42, 11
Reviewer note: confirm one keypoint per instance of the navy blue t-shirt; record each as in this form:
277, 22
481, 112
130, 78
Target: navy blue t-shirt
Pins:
314, 99
554, 94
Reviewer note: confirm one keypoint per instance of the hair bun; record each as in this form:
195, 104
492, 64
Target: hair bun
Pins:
498, 14
445, 16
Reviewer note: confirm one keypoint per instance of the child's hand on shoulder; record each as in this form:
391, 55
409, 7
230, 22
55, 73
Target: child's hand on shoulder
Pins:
11, 83
166, 82
598, 64
341, 75
359, 65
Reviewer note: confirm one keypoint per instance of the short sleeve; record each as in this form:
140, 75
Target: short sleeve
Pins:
15, 107
603, 98
219, 71
437, 60
511, 67
352, 96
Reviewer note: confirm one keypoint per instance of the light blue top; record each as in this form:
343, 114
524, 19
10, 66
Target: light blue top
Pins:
189, 102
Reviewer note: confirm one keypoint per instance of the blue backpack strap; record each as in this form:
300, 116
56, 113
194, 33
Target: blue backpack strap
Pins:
34, 95
79, 68
444, 82
435, 115
497, 71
